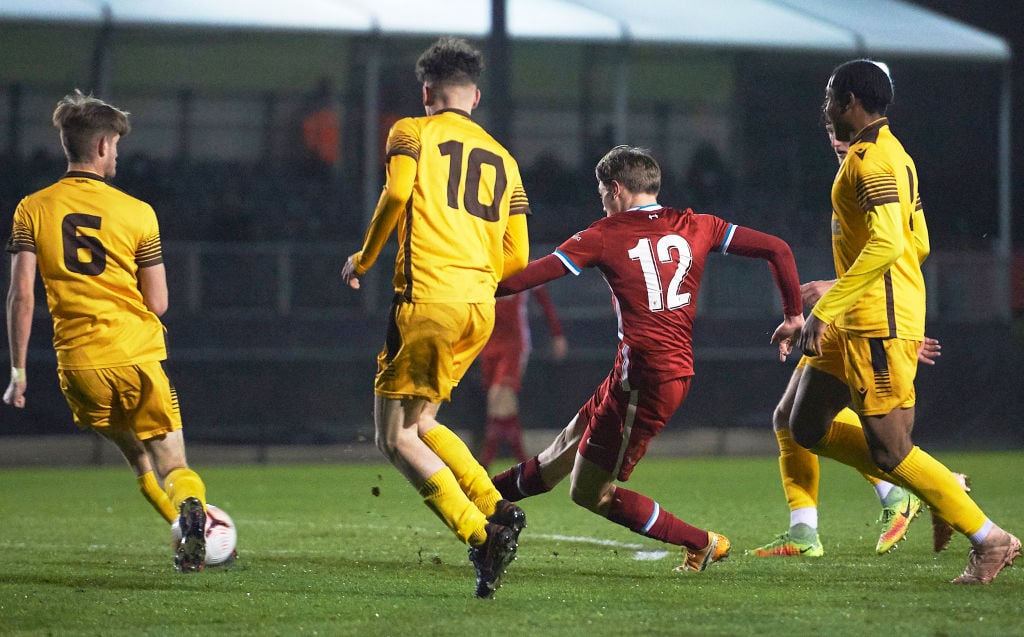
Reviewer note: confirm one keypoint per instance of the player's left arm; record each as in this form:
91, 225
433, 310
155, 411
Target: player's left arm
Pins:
929, 351
515, 245
751, 243
20, 306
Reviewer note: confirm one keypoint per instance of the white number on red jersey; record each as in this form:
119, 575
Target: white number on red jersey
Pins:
668, 246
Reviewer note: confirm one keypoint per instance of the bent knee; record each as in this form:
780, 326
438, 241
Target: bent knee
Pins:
584, 497
886, 460
780, 418
806, 439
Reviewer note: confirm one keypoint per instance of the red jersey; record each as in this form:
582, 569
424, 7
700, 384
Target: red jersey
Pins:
652, 259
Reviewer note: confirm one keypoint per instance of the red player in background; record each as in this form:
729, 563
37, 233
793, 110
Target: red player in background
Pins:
503, 362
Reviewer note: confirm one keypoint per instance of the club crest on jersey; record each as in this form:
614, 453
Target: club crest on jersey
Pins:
653, 216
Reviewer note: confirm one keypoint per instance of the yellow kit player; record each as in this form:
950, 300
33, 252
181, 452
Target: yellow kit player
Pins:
456, 197
98, 252
878, 308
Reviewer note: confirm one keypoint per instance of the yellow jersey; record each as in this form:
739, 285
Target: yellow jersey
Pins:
90, 239
879, 240
454, 230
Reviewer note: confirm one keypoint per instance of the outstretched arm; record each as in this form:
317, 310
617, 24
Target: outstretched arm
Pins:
751, 243
536, 273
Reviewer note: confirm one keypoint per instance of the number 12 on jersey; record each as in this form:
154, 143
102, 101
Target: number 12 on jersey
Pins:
658, 296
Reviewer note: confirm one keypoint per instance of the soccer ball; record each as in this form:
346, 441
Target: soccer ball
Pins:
221, 537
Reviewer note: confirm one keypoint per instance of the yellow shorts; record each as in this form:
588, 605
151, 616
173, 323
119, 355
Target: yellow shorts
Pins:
137, 398
831, 359
429, 348
881, 373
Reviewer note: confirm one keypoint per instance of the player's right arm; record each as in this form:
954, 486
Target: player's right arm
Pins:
20, 305
401, 177
538, 272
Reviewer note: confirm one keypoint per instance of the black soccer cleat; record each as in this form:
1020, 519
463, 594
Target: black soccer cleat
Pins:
492, 558
509, 514
191, 554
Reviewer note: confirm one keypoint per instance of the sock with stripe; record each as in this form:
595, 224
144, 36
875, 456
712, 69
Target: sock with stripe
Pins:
521, 481
642, 515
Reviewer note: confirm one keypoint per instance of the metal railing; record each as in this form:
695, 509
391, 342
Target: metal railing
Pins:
283, 279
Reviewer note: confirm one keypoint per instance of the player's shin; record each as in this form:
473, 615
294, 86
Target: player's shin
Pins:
471, 476
442, 494
156, 496
940, 490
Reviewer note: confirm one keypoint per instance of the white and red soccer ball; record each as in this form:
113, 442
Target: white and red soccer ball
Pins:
221, 537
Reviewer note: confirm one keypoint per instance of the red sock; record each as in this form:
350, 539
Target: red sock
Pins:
642, 515
521, 481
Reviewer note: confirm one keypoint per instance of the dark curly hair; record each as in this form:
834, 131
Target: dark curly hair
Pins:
868, 80
451, 61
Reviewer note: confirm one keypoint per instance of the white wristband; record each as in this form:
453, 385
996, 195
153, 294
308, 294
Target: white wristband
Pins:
18, 375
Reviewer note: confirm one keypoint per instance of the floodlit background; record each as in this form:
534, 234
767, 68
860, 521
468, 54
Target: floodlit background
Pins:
267, 347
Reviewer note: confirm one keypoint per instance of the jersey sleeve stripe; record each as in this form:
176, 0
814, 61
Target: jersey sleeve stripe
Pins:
567, 262
876, 190
149, 253
723, 247
21, 240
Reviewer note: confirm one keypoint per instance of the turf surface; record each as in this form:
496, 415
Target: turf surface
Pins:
350, 550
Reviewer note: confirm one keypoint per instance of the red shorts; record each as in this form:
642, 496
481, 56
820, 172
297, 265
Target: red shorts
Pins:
623, 418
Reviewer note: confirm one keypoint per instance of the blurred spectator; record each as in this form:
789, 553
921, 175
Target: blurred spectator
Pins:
321, 129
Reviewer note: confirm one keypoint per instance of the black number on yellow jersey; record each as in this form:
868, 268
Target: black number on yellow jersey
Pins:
77, 245
478, 157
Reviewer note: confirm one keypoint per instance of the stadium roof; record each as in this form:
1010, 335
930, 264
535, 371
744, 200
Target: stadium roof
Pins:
836, 26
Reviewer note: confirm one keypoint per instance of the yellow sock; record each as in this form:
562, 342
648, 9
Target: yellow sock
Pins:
471, 476
182, 484
845, 443
799, 469
441, 492
849, 417
933, 483
157, 496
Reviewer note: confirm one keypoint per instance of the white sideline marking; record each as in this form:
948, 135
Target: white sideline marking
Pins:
641, 553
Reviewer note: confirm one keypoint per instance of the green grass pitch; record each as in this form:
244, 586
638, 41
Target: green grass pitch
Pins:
351, 550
